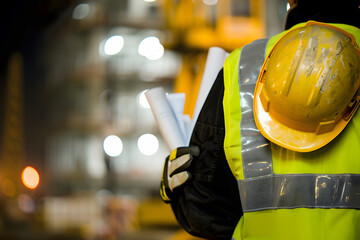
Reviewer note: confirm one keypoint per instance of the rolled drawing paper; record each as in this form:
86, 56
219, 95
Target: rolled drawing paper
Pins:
165, 117
214, 62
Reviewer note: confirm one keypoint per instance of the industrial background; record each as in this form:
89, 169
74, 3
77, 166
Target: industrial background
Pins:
81, 155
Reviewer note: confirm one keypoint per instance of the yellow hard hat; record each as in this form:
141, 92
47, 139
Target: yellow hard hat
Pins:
308, 88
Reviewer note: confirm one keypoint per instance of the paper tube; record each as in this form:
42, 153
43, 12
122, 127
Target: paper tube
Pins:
164, 117
214, 63
177, 103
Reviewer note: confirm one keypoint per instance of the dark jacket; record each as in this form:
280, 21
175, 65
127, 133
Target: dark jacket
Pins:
209, 205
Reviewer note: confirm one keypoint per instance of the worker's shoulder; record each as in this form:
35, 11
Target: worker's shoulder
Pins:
258, 43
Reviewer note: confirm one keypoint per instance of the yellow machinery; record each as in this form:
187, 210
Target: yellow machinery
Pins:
201, 24
198, 25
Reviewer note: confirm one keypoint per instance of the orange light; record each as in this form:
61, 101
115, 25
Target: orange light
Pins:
30, 177
8, 188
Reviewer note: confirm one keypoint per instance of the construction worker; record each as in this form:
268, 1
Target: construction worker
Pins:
275, 153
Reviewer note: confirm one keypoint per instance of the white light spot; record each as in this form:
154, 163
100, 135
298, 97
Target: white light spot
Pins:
148, 144
81, 11
151, 48
287, 6
113, 146
26, 203
210, 2
143, 102
114, 45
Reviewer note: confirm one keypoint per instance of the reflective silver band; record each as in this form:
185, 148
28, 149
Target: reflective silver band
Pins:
255, 149
261, 189
300, 190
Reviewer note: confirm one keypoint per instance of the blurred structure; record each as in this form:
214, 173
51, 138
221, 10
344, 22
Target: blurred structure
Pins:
90, 134
12, 152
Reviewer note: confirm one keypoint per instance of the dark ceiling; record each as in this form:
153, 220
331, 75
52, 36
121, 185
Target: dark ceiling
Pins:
23, 23
23, 19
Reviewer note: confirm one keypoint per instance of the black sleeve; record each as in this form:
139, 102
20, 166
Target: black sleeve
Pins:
209, 205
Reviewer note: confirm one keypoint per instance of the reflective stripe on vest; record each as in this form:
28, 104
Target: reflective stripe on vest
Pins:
261, 189
255, 148
301, 190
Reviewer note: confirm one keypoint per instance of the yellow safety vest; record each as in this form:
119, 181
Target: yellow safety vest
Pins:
287, 194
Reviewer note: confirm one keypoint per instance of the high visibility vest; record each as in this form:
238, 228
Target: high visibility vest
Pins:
286, 194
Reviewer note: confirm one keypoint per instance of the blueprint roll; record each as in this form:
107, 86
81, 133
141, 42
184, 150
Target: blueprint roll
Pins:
177, 103
165, 118
214, 62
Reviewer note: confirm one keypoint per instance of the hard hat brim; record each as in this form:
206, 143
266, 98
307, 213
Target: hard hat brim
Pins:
287, 137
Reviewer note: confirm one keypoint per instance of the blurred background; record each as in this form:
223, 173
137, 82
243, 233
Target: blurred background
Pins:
80, 153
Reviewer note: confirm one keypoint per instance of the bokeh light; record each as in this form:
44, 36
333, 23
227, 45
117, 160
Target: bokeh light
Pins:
26, 203
113, 146
151, 48
81, 11
210, 2
148, 144
30, 177
8, 188
114, 45
143, 102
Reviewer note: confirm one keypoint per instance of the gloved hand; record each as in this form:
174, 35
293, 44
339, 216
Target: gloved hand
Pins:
175, 172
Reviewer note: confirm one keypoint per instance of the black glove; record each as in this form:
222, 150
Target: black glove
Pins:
175, 172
